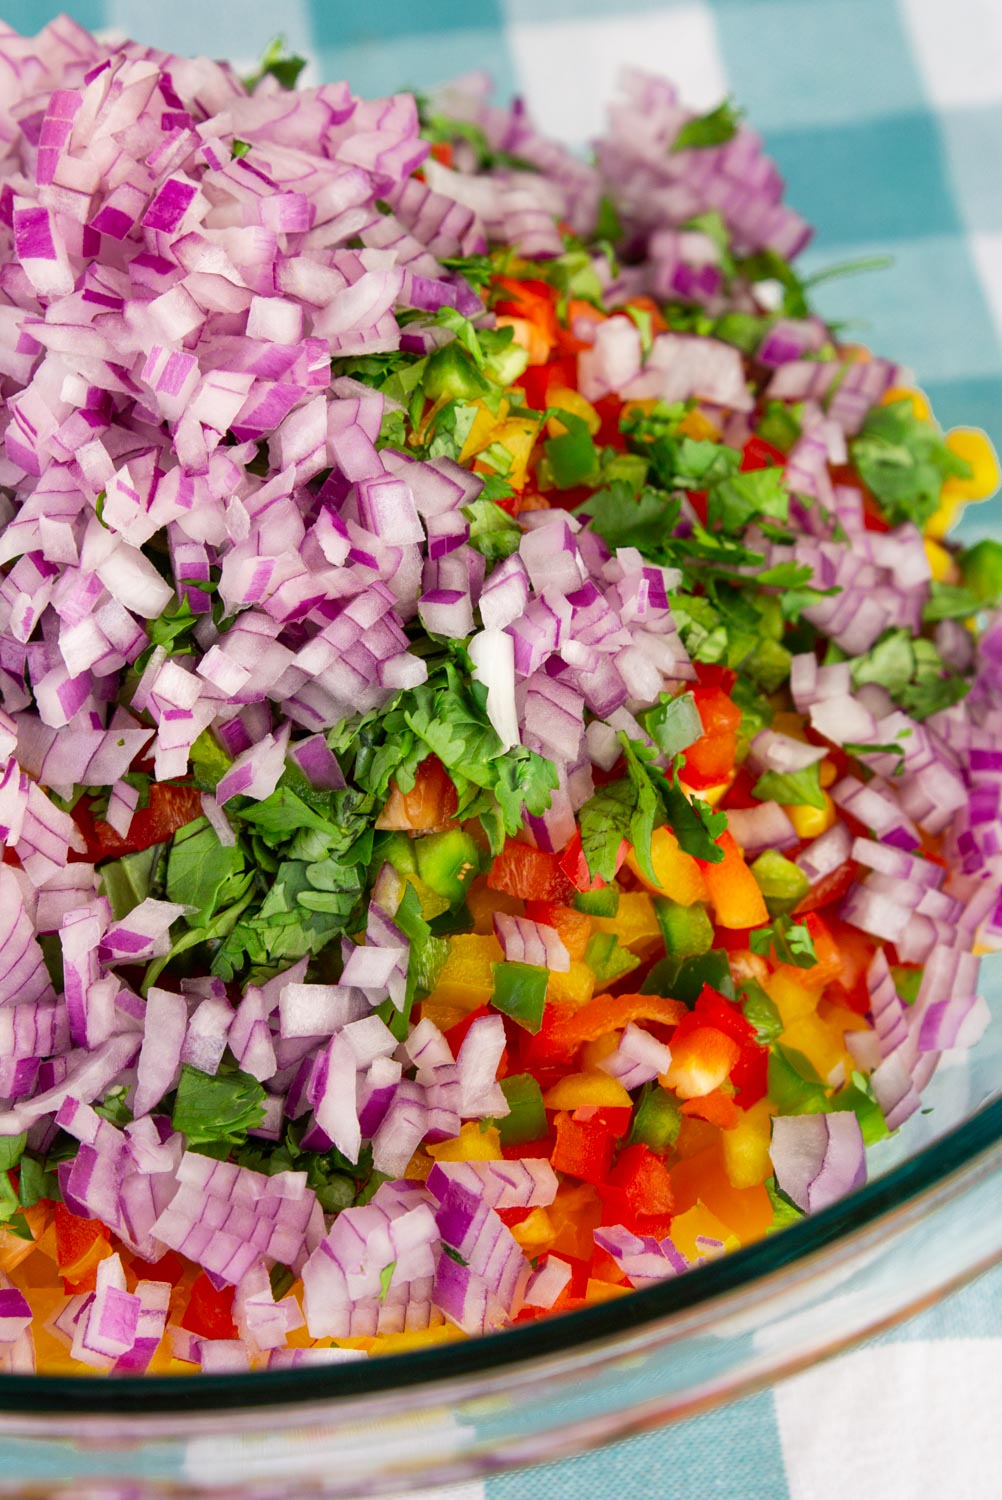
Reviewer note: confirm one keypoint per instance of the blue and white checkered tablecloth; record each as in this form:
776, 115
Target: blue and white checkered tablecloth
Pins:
886, 118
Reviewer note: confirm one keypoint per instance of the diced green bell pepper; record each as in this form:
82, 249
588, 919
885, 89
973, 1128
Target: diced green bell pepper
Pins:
687, 930
520, 992
452, 375
447, 862
603, 903
572, 456
527, 1120
781, 882
657, 1119
606, 958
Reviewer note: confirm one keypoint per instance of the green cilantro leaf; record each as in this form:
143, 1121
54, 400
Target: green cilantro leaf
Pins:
221, 1108
712, 129
492, 531
788, 940
284, 67
791, 788
203, 873
904, 462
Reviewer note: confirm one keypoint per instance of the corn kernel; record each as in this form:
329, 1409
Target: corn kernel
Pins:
944, 569
809, 821
975, 447
918, 399
943, 517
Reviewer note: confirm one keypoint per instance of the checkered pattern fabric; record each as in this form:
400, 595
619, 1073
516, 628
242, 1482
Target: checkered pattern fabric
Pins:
886, 118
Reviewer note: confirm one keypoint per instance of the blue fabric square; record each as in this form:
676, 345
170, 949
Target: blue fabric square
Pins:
29, 16
338, 23
795, 64
973, 142
733, 1454
927, 310
872, 180
388, 64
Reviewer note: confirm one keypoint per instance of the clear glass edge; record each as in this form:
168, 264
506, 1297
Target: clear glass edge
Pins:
666, 1306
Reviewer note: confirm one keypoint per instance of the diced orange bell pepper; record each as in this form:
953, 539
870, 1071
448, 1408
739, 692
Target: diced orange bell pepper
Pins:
700, 1061
733, 891
711, 759
829, 958
521, 870
573, 927
612, 1013
584, 1149
585, 1090
717, 1107
431, 802
530, 336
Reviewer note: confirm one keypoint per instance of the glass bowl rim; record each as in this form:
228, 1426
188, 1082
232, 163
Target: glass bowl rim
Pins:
446, 1365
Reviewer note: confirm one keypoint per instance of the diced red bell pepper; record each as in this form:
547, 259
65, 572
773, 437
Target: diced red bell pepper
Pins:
520, 870
711, 759
643, 1178
828, 890
699, 500
758, 454
170, 808
80, 1244
538, 380
610, 411
712, 675
210, 1313
584, 1148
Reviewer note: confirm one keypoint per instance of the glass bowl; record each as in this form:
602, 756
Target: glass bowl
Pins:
929, 1219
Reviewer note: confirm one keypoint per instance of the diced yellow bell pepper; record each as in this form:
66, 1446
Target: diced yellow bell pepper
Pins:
575, 403
809, 822
791, 996
975, 447
679, 877
943, 567
603, 1291
518, 436
573, 988
918, 399
466, 979
593, 1053
635, 923
746, 1147
417, 1338
821, 1044
697, 425
711, 795
535, 1231
698, 1221
587, 1090
471, 1144
482, 903
481, 434
419, 1166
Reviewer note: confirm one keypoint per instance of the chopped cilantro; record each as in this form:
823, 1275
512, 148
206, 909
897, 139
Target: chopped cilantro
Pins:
284, 67
712, 129
791, 788
211, 1110
791, 942
904, 461
385, 1278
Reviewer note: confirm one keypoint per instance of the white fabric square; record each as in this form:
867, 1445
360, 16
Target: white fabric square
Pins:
987, 252
958, 44
569, 69
860, 1425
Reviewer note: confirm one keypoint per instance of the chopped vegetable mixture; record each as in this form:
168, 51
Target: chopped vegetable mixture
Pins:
501, 766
